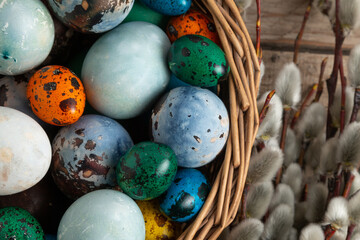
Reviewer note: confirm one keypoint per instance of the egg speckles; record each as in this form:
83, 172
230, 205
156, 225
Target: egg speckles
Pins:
146, 170
192, 22
198, 60
56, 95
17, 223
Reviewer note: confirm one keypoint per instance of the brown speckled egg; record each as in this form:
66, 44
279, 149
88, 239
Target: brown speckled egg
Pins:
192, 22
56, 95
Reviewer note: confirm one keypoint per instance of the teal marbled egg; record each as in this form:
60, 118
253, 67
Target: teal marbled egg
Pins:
146, 170
17, 223
198, 60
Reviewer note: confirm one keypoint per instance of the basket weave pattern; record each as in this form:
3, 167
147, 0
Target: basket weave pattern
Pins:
222, 204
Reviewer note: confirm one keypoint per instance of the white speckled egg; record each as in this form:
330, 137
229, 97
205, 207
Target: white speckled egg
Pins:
25, 151
102, 214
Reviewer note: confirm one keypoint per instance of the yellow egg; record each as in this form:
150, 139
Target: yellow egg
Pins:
158, 227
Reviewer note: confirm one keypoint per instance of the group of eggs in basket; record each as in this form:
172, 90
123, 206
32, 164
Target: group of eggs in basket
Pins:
132, 68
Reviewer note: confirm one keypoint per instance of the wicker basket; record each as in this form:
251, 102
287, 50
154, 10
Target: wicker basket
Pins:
222, 204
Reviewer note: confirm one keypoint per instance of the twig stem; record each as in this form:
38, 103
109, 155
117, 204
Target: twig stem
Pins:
243, 201
321, 82
356, 105
343, 94
301, 32
258, 29
264, 109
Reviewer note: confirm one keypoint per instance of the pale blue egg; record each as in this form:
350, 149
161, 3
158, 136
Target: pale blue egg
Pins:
26, 33
194, 122
166, 7
102, 214
85, 154
126, 69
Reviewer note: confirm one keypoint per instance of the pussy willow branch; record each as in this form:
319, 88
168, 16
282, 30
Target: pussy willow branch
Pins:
301, 32
258, 30
356, 105
343, 94
321, 82
264, 109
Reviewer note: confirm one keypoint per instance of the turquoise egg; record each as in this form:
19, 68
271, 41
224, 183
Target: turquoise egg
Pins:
198, 61
26, 33
102, 214
192, 121
146, 170
17, 223
91, 16
126, 69
166, 7
186, 195
140, 12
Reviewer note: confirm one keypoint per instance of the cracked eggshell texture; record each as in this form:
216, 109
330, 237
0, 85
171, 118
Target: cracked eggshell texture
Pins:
17, 223
146, 170
26, 41
25, 151
193, 122
85, 154
186, 195
126, 69
91, 16
197, 60
56, 95
102, 214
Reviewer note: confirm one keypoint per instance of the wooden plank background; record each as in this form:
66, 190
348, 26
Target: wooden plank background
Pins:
281, 21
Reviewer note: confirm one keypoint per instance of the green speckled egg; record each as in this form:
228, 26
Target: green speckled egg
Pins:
17, 223
197, 60
146, 170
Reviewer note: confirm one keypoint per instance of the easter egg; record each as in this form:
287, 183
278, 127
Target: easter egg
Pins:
146, 170
91, 16
126, 70
140, 12
85, 154
102, 214
17, 223
157, 226
192, 22
193, 122
198, 60
186, 195
27, 35
171, 8
56, 95
25, 151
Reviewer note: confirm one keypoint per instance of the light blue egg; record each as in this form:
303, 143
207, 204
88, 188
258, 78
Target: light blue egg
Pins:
102, 214
26, 35
85, 154
193, 122
186, 195
91, 16
126, 69
166, 7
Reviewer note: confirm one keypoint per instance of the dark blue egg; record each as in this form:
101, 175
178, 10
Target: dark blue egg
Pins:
85, 154
186, 195
194, 122
166, 7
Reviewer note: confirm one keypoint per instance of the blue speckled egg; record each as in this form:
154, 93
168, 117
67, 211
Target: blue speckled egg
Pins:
186, 195
102, 214
85, 154
166, 7
93, 16
26, 33
193, 122
126, 69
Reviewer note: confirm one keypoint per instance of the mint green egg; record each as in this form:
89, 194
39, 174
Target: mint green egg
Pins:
198, 61
17, 223
140, 12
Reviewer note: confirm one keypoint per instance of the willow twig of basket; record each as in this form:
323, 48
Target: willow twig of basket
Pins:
222, 204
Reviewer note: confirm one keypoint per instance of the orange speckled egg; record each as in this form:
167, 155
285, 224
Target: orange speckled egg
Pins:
56, 95
192, 22
157, 226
